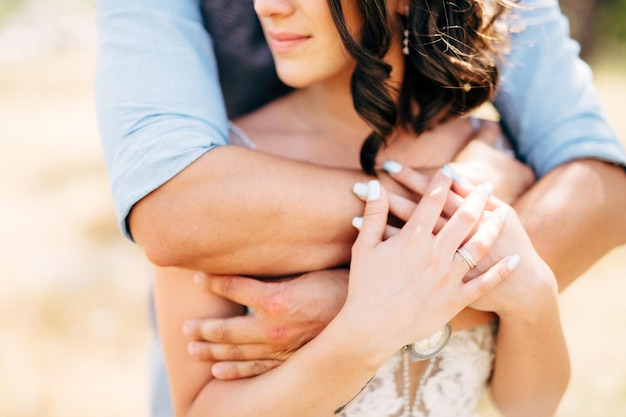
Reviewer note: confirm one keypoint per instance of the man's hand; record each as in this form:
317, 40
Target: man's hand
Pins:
287, 314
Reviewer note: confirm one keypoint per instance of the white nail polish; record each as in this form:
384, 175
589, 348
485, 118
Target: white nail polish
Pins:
502, 213
357, 222
486, 187
513, 262
447, 171
461, 180
361, 189
392, 167
373, 193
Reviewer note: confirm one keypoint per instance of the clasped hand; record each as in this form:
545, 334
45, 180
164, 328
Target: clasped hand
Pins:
290, 312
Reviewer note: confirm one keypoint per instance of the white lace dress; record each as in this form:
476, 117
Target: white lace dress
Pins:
449, 385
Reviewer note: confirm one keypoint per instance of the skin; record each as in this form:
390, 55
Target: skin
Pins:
191, 393
346, 354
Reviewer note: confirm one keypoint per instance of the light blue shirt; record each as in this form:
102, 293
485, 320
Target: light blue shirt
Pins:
160, 106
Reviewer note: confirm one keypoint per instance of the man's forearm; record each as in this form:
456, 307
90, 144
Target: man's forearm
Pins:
575, 214
236, 210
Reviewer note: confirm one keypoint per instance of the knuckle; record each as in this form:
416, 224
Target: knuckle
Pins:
480, 247
222, 333
437, 197
259, 367
276, 301
375, 208
502, 273
235, 352
468, 218
275, 304
277, 334
227, 287
483, 287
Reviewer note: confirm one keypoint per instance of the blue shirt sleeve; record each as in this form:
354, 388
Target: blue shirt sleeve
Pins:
547, 98
158, 98
160, 105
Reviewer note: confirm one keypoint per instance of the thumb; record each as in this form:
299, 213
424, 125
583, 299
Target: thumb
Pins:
242, 290
374, 220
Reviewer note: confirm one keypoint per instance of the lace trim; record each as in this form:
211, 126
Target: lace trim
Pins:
451, 385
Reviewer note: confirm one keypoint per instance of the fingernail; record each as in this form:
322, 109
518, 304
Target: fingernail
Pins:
373, 192
198, 278
447, 171
193, 349
361, 189
461, 180
357, 222
486, 188
502, 213
513, 262
392, 167
218, 370
187, 328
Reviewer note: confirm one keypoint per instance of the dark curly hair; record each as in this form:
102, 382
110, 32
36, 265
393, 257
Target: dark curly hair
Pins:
450, 70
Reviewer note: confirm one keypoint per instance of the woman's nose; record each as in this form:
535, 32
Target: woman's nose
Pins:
273, 8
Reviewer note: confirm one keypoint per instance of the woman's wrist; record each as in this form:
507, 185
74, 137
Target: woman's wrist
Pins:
349, 333
532, 308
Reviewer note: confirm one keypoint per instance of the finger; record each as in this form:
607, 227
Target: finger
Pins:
489, 132
203, 351
463, 222
403, 208
239, 370
418, 183
429, 209
486, 234
231, 330
357, 222
375, 216
242, 290
409, 178
203, 280
482, 284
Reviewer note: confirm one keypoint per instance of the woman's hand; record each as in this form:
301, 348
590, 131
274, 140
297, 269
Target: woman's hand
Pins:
530, 286
405, 288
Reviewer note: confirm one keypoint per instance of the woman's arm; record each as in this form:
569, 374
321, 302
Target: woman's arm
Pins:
531, 368
298, 387
532, 364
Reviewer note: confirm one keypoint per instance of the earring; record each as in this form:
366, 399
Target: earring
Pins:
405, 41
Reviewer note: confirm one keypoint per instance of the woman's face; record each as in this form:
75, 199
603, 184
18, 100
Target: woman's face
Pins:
304, 40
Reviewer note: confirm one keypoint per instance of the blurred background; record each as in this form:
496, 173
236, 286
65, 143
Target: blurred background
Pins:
74, 326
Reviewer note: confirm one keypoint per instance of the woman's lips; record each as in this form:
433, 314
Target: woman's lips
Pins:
285, 41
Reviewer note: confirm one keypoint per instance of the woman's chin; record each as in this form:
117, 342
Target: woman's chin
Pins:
295, 81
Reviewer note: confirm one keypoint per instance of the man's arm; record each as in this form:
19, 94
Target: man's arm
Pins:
575, 215
158, 99
237, 210
547, 97
162, 121
552, 112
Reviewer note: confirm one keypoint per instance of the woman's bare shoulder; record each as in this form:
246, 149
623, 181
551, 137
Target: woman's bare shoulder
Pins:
272, 120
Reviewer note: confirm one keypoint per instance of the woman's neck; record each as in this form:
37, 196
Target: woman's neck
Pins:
328, 106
